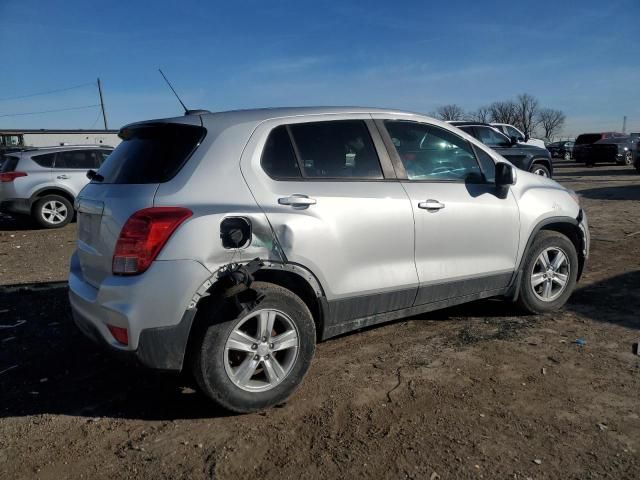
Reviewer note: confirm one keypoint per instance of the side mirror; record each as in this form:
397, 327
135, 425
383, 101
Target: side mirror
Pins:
514, 141
505, 174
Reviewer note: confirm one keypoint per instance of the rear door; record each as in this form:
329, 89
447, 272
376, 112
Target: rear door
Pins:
71, 167
466, 231
149, 155
336, 208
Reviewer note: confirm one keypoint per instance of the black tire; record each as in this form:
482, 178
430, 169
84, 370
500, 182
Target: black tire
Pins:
209, 352
567, 156
528, 299
47, 220
628, 159
538, 167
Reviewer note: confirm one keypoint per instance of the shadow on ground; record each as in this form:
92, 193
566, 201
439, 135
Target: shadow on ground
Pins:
614, 300
623, 192
14, 223
48, 367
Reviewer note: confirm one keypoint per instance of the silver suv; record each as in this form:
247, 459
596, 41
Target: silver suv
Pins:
229, 243
44, 182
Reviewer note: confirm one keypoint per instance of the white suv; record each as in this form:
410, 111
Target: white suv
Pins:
44, 182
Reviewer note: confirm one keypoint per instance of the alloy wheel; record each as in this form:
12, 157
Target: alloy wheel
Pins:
540, 171
54, 212
261, 350
550, 274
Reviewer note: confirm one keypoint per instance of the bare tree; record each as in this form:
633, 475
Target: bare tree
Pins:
503, 112
551, 121
449, 112
527, 107
482, 114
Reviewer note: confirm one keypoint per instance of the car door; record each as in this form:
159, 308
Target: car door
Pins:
335, 207
71, 166
466, 229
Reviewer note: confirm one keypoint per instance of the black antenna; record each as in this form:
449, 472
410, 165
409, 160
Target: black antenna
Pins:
186, 110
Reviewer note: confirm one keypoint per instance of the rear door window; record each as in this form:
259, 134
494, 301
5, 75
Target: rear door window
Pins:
278, 158
75, 159
151, 153
336, 149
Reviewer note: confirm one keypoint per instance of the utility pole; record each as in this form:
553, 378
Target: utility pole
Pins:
624, 124
104, 115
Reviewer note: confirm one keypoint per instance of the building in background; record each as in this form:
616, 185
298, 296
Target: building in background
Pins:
48, 138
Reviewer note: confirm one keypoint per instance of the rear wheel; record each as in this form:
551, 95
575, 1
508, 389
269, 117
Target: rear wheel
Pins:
549, 273
258, 359
567, 156
53, 211
539, 169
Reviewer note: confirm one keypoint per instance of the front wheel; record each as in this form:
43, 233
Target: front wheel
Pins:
549, 273
258, 359
539, 169
628, 158
567, 156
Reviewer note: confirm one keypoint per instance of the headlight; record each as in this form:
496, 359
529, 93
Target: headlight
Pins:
574, 195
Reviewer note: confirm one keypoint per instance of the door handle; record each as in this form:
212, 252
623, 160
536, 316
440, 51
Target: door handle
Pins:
297, 200
431, 205
63, 177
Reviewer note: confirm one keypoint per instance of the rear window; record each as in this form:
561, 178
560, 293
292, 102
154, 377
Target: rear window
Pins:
151, 153
8, 163
588, 138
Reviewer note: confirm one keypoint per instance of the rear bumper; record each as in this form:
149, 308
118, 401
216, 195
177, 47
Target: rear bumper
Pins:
15, 205
153, 307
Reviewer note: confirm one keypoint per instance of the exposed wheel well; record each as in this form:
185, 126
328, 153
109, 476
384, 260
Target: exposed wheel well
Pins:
541, 161
289, 280
51, 191
300, 287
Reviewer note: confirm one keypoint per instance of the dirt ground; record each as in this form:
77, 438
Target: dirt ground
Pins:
476, 391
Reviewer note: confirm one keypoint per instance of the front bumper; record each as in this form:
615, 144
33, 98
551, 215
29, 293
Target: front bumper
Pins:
153, 307
583, 225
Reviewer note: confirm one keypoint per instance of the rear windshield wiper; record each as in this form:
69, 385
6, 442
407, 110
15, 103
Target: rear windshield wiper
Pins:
93, 175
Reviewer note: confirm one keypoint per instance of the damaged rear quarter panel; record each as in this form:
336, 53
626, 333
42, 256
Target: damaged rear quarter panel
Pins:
212, 187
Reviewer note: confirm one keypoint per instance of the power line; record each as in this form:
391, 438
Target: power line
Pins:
49, 111
47, 92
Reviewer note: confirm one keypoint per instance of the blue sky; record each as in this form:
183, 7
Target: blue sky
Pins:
580, 57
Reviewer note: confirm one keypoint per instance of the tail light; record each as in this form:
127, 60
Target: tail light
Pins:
11, 176
120, 334
143, 236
